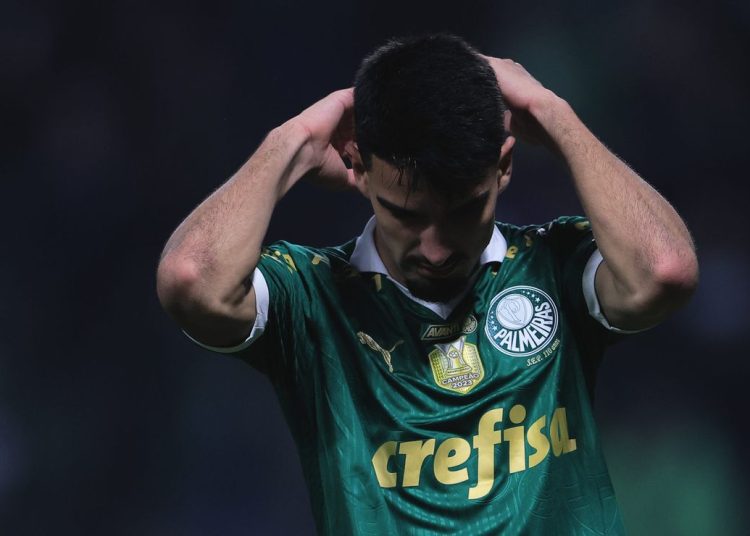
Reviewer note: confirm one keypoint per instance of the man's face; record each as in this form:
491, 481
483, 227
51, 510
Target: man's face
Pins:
429, 243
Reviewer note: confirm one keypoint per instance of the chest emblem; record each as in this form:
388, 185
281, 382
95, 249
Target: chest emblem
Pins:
364, 338
456, 365
521, 321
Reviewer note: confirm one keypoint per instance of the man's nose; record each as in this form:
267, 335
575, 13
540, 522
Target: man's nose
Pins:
433, 246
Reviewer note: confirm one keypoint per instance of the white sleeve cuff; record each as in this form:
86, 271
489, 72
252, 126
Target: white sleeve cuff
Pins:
261, 317
589, 293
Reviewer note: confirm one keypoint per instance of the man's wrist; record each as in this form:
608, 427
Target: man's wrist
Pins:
558, 120
550, 110
292, 139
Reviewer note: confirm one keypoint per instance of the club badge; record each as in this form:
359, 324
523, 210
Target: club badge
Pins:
521, 321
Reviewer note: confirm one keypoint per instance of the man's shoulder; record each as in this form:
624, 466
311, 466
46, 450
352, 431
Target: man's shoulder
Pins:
561, 222
302, 257
561, 231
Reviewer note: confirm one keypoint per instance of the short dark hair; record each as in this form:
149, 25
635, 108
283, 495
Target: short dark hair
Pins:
429, 105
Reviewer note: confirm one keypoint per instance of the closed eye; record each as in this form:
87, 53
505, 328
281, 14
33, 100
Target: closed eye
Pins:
402, 214
399, 212
473, 207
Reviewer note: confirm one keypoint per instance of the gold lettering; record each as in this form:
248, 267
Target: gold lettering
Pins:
386, 478
485, 440
515, 436
451, 453
415, 452
537, 441
511, 253
558, 433
516, 448
517, 414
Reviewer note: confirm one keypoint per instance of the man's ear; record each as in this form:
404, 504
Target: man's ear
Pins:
360, 173
505, 165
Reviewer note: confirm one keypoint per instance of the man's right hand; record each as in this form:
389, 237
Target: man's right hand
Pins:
329, 125
203, 277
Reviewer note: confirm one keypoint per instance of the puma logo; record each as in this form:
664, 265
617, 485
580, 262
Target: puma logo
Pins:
364, 338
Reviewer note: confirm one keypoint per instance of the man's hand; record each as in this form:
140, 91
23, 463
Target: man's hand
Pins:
527, 101
329, 124
646, 274
204, 277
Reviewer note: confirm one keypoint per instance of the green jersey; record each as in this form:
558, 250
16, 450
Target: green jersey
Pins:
473, 417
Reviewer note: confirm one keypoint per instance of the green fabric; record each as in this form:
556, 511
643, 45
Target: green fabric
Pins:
443, 444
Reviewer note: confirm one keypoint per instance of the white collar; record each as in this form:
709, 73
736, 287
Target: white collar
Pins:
365, 258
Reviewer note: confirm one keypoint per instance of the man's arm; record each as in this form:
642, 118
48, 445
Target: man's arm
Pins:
205, 272
650, 268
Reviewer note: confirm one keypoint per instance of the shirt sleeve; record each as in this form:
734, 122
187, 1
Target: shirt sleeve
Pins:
259, 326
592, 300
281, 304
580, 259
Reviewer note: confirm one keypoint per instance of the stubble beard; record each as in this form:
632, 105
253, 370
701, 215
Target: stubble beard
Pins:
436, 290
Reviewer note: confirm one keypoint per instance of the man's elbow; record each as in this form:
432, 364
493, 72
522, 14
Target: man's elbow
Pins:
177, 279
195, 304
185, 293
677, 276
673, 282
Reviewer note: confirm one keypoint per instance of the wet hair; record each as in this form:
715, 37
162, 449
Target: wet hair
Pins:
431, 106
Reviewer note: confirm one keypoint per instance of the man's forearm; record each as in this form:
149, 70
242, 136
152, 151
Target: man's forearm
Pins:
217, 247
640, 235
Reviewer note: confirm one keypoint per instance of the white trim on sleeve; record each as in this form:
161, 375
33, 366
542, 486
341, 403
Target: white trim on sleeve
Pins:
589, 293
261, 317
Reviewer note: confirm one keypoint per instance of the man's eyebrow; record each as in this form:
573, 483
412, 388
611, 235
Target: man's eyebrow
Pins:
474, 201
469, 203
394, 207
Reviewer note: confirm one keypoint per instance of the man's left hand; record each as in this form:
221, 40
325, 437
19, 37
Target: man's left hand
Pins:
530, 104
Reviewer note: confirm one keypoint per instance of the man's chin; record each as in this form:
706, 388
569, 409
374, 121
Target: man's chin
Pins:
436, 290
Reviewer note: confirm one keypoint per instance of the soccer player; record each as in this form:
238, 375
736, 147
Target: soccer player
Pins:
437, 371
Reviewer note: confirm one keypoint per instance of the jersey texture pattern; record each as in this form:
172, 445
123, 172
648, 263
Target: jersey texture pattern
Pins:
409, 423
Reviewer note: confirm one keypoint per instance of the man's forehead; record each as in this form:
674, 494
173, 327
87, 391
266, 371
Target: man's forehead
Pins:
397, 188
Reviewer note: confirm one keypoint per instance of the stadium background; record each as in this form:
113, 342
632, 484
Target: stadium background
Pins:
119, 117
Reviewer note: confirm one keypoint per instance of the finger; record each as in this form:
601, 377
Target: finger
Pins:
507, 120
350, 148
511, 62
345, 97
351, 179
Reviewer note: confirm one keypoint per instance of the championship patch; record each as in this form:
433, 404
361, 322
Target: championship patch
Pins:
521, 321
456, 365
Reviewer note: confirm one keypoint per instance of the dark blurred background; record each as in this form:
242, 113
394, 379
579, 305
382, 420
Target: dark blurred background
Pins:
117, 118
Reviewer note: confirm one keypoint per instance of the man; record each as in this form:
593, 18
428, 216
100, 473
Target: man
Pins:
436, 372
